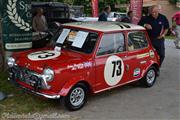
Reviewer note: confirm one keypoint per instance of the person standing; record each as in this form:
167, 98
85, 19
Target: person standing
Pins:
146, 13
128, 18
104, 15
176, 28
157, 27
39, 21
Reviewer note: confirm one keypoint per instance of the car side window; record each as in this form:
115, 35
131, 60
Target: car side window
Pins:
137, 40
111, 43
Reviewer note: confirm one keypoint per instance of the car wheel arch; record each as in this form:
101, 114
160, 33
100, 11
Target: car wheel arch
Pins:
151, 64
144, 81
68, 86
156, 67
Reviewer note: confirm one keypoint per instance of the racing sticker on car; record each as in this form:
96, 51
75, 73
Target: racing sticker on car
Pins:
137, 72
143, 55
79, 66
114, 70
151, 53
43, 55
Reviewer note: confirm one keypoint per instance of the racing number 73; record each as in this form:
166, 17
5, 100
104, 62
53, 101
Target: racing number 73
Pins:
116, 68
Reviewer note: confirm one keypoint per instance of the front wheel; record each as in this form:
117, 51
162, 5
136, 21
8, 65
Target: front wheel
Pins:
150, 78
76, 97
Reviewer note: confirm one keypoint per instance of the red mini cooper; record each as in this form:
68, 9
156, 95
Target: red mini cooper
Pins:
88, 57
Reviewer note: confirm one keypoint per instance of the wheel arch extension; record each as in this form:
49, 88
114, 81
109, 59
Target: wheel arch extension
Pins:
156, 67
67, 87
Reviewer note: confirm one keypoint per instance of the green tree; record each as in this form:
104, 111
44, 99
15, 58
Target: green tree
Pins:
87, 4
174, 1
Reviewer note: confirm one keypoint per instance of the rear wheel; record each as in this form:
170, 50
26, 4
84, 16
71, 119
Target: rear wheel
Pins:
76, 97
150, 78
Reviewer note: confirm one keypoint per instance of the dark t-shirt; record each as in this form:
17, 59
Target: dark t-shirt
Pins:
158, 25
143, 20
103, 17
126, 20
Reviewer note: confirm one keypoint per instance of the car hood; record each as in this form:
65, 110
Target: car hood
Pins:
54, 60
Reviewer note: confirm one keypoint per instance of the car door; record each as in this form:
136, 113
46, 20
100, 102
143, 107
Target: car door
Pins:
138, 53
110, 61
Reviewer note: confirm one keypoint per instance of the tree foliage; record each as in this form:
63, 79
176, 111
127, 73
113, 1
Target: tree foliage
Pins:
82, 2
174, 1
87, 4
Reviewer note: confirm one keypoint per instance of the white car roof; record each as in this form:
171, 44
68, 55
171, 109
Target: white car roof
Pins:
105, 26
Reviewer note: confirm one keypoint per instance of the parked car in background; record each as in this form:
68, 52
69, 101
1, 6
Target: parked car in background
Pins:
113, 16
85, 19
88, 58
119, 15
76, 11
53, 11
57, 11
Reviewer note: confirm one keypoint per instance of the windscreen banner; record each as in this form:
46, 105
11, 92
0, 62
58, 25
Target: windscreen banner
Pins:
16, 24
94, 8
136, 7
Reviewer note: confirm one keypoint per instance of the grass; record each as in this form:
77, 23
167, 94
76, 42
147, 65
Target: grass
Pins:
170, 37
21, 102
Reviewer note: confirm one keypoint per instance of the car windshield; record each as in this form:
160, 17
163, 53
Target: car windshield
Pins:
76, 40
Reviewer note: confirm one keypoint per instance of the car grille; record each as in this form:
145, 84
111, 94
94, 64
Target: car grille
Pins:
25, 75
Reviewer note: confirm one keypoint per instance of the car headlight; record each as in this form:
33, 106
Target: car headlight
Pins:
11, 61
48, 74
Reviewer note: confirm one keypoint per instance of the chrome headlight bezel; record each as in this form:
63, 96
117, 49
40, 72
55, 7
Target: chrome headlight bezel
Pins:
11, 62
48, 74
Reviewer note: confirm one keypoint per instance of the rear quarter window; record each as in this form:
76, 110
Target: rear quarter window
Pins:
137, 40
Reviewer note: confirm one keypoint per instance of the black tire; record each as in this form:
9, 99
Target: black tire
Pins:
68, 100
150, 77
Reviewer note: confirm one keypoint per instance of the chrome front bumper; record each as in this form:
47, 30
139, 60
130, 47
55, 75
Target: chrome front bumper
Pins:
35, 92
29, 77
43, 85
41, 94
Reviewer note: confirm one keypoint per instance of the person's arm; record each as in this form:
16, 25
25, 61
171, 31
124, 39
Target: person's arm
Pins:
163, 34
144, 22
148, 26
141, 22
166, 29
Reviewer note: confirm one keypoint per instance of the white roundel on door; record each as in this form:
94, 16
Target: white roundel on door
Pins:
114, 70
43, 55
